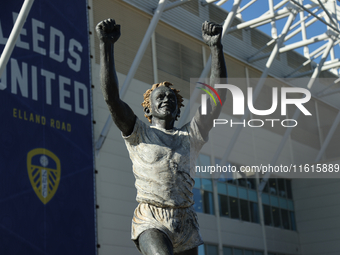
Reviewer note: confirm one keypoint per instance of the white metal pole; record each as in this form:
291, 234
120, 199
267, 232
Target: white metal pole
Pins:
317, 115
256, 58
305, 8
279, 150
267, 17
217, 215
318, 50
246, 6
322, 61
329, 17
263, 19
204, 56
313, 20
154, 58
282, 3
331, 6
300, 74
321, 92
296, 45
19, 23
273, 24
259, 198
277, 16
289, 129
330, 66
206, 2
259, 85
221, 2
194, 95
332, 92
204, 74
175, 4
315, 54
331, 62
216, 204
303, 32
250, 59
328, 138
284, 139
302, 20
143, 46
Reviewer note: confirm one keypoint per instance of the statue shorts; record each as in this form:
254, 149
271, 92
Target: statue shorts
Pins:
179, 224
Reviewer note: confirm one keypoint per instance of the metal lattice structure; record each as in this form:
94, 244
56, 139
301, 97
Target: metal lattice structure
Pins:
298, 16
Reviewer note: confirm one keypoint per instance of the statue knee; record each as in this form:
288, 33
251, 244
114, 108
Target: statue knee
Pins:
154, 241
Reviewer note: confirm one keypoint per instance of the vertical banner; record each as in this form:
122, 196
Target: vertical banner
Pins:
46, 156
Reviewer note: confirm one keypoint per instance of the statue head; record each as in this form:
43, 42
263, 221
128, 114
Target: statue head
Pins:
162, 101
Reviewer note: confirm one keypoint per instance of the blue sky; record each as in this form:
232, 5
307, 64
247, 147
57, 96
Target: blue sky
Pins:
261, 6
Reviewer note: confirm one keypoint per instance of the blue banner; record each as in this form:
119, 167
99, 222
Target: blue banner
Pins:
47, 203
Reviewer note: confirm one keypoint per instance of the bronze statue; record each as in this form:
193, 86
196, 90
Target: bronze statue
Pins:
164, 221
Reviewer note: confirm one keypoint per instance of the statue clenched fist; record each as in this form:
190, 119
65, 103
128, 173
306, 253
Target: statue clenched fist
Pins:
108, 31
211, 33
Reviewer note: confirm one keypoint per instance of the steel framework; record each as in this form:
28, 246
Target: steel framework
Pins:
314, 12
298, 16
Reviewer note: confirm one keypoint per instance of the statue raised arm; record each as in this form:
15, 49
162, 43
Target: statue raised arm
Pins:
108, 33
211, 34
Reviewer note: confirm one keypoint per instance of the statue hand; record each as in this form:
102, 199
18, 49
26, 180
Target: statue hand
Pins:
211, 33
108, 31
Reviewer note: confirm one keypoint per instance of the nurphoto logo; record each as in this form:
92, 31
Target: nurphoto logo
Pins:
301, 95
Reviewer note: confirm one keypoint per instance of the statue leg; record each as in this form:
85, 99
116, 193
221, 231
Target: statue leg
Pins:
193, 251
155, 242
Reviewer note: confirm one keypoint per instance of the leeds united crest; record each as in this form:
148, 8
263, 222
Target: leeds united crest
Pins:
43, 168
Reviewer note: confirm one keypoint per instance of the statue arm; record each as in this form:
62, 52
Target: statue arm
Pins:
212, 34
123, 116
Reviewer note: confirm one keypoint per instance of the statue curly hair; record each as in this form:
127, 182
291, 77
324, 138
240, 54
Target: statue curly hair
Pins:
147, 94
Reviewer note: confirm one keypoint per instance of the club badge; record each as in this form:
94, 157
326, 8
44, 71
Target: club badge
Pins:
43, 168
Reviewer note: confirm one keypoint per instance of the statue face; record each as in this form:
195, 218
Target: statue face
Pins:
163, 103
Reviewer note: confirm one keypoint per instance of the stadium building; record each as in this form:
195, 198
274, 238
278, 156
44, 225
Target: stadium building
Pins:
239, 213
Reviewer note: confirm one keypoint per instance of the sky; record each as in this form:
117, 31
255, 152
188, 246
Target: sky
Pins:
261, 6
